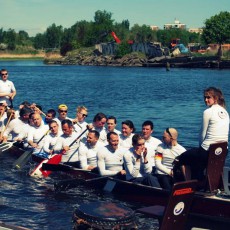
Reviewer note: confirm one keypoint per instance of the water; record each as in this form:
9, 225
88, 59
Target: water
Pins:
169, 99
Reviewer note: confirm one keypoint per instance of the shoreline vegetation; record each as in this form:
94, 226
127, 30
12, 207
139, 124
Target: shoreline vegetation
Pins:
28, 56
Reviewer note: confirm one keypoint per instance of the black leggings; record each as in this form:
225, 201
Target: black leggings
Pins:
197, 159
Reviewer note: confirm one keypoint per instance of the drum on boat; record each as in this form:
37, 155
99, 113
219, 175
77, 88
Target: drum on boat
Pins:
104, 215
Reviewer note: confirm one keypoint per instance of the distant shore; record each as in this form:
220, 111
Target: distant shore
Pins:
42, 55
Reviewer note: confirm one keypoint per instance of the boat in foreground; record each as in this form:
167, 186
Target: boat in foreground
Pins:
205, 204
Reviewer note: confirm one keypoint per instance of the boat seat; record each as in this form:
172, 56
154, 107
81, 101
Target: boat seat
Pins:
226, 180
214, 171
174, 215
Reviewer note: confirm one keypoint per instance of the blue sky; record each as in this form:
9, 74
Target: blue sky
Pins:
35, 16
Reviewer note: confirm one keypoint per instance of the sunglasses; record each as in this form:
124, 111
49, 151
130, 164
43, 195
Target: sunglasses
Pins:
207, 97
4, 74
63, 111
84, 115
167, 131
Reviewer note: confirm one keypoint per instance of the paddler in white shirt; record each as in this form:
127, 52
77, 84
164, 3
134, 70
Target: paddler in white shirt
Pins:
62, 115
111, 125
70, 155
151, 142
18, 125
110, 158
3, 116
35, 133
52, 138
99, 122
126, 136
79, 122
88, 151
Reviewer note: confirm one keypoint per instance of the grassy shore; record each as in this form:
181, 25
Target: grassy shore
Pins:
38, 56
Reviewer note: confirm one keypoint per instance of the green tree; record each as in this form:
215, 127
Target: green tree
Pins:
217, 29
142, 33
54, 35
40, 41
103, 23
10, 39
122, 49
122, 30
23, 38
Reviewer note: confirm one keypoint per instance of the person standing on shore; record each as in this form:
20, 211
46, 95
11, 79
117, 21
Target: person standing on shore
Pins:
7, 89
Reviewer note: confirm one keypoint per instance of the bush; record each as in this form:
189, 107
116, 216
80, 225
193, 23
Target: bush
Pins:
123, 49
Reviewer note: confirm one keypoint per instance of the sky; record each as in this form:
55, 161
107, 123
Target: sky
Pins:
34, 16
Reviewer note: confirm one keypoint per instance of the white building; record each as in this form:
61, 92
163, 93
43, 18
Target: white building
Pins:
175, 25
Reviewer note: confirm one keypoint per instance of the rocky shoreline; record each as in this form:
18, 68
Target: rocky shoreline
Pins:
101, 60
134, 60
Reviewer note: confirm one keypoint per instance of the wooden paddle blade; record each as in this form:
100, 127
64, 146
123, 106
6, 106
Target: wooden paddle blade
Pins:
23, 159
56, 159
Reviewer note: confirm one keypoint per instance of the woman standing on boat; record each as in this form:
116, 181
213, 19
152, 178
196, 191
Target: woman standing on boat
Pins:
215, 128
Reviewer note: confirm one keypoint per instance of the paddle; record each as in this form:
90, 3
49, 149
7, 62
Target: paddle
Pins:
6, 126
11, 103
56, 159
5, 145
73, 183
61, 167
24, 158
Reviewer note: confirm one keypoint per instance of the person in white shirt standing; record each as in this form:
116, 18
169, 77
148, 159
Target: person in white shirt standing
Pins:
215, 128
7, 89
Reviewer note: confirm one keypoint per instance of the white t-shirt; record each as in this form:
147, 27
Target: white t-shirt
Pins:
133, 168
126, 142
110, 162
35, 134
72, 154
88, 154
165, 156
215, 126
151, 145
6, 87
16, 127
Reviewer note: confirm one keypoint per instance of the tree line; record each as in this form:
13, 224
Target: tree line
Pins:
88, 33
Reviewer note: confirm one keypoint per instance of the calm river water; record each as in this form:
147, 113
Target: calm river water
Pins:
169, 99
